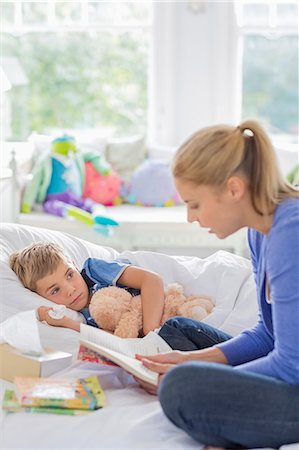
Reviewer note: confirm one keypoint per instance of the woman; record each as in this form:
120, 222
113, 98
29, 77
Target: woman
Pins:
242, 391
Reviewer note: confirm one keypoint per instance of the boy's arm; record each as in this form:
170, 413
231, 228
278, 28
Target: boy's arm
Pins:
152, 294
66, 322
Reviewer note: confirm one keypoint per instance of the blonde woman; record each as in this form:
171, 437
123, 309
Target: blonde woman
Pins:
244, 391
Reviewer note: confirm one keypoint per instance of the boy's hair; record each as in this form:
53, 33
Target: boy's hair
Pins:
215, 153
36, 261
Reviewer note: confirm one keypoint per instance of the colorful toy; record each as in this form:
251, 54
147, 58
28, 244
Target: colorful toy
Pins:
58, 175
115, 309
152, 185
98, 219
101, 187
58, 181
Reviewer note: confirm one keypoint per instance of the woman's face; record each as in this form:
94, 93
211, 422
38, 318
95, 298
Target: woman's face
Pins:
218, 210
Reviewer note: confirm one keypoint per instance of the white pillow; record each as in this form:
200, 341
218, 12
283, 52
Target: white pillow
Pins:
16, 298
125, 155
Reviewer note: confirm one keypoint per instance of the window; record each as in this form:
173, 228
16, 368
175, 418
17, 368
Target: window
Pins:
269, 32
76, 65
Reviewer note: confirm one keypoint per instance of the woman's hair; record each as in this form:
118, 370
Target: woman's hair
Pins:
36, 261
213, 154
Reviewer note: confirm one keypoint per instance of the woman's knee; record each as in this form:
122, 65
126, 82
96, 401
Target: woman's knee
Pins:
178, 387
170, 390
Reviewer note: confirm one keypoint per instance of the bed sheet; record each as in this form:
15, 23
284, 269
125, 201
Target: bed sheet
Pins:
132, 419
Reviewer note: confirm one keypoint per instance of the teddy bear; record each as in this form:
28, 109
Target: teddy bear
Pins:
114, 309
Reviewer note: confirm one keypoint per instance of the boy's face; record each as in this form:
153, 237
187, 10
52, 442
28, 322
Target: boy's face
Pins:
65, 286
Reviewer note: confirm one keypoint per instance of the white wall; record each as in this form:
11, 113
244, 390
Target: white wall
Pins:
195, 64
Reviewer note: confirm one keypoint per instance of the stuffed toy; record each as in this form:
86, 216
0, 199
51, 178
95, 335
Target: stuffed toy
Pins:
57, 179
114, 309
151, 185
60, 179
101, 186
61, 182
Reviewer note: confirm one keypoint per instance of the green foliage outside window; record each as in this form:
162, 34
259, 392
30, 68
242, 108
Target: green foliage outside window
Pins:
270, 81
80, 80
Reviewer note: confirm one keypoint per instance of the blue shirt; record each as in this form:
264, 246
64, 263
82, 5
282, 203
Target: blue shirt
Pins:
98, 274
271, 348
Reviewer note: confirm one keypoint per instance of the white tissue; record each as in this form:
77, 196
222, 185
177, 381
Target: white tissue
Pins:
21, 332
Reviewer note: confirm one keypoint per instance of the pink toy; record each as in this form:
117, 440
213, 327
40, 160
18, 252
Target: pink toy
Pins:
115, 309
101, 188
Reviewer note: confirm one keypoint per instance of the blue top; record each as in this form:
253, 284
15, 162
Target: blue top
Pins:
98, 274
271, 348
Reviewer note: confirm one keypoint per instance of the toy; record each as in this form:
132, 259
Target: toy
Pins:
101, 187
115, 309
58, 181
152, 185
58, 175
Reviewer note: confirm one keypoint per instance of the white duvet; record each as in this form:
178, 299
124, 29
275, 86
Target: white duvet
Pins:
132, 419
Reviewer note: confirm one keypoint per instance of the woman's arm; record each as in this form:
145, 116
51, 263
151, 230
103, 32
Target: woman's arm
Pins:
152, 294
163, 362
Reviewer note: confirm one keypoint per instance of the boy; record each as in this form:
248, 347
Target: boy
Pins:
45, 269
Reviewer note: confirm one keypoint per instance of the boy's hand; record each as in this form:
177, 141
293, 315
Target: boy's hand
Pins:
43, 314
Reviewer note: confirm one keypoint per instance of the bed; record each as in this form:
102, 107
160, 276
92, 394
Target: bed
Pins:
132, 419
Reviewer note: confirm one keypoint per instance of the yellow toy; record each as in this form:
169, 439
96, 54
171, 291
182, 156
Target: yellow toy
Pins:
115, 309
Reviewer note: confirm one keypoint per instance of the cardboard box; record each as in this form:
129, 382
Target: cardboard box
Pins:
13, 363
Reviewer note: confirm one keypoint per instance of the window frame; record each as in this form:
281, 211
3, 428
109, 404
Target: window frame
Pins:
51, 24
271, 29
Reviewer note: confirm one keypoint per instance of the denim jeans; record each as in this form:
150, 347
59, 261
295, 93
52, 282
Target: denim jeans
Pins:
221, 406
188, 334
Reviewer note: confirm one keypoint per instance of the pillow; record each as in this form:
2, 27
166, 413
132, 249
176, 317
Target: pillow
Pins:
15, 237
125, 155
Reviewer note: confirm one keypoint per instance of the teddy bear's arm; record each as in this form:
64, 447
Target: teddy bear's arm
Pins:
129, 325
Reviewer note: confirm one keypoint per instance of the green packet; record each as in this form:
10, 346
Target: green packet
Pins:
10, 402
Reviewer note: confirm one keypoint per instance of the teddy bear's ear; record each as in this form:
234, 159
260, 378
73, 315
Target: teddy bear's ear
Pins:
204, 302
196, 307
174, 289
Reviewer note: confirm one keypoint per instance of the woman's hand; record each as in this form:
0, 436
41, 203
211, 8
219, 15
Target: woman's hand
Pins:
163, 361
161, 364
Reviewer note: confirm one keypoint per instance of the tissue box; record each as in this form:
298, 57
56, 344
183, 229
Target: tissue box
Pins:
14, 363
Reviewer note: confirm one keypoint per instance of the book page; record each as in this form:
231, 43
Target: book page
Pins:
128, 363
151, 344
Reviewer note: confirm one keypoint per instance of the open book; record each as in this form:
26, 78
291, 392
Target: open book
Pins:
122, 351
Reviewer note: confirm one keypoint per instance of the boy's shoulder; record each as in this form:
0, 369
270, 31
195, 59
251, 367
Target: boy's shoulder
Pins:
91, 263
101, 272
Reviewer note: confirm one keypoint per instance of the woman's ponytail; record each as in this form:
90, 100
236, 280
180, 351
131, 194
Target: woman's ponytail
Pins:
214, 154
